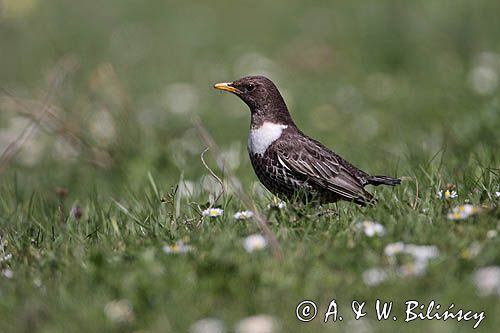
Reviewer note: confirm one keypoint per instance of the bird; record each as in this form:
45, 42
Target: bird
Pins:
289, 163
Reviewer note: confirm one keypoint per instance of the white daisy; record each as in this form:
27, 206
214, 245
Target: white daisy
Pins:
394, 248
7, 273
119, 311
257, 324
374, 276
371, 228
483, 79
422, 252
472, 251
421, 255
277, 204
416, 268
243, 215
487, 280
178, 247
212, 212
208, 325
462, 212
497, 194
254, 242
491, 233
6, 257
446, 194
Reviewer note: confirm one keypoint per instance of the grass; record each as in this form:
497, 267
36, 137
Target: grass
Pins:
67, 269
400, 90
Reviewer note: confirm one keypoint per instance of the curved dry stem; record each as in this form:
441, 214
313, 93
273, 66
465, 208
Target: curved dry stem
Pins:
202, 157
242, 196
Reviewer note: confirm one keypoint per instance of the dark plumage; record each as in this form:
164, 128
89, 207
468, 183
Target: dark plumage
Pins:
287, 161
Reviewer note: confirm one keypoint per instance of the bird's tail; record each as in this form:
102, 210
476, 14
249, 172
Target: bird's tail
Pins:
383, 180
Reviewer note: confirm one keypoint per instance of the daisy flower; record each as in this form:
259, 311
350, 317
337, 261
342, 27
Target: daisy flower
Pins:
7, 273
462, 212
394, 248
491, 233
421, 255
497, 194
422, 252
243, 215
212, 212
487, 280
472, 251
374, 276
281, 205
446, 194
208, 325
276, 203
419, 252
254, 242
178, 247
416, 268
6, 257
371, 228
257, 324
119, 311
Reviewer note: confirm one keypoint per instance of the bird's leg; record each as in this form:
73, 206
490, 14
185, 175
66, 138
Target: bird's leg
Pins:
322, 210
329, 212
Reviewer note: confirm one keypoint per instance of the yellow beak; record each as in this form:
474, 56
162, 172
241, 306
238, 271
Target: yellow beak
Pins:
226, 87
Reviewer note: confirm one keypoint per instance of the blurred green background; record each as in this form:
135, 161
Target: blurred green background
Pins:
94, 95
383, 83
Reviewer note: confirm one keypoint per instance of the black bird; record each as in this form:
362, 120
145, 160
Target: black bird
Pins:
287, 161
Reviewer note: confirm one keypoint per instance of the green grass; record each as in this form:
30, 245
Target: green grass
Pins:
398, 89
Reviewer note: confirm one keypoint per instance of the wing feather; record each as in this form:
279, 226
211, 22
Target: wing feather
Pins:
321, 166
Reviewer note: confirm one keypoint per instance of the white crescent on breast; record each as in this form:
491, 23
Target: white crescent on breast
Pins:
261, 138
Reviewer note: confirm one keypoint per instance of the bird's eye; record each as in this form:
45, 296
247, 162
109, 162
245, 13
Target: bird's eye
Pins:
250, 87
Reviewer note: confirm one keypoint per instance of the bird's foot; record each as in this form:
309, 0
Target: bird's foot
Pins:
328, 212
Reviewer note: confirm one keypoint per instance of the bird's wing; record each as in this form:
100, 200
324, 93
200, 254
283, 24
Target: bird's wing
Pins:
320, 166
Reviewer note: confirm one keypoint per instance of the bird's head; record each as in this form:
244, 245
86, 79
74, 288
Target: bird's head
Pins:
260, 94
